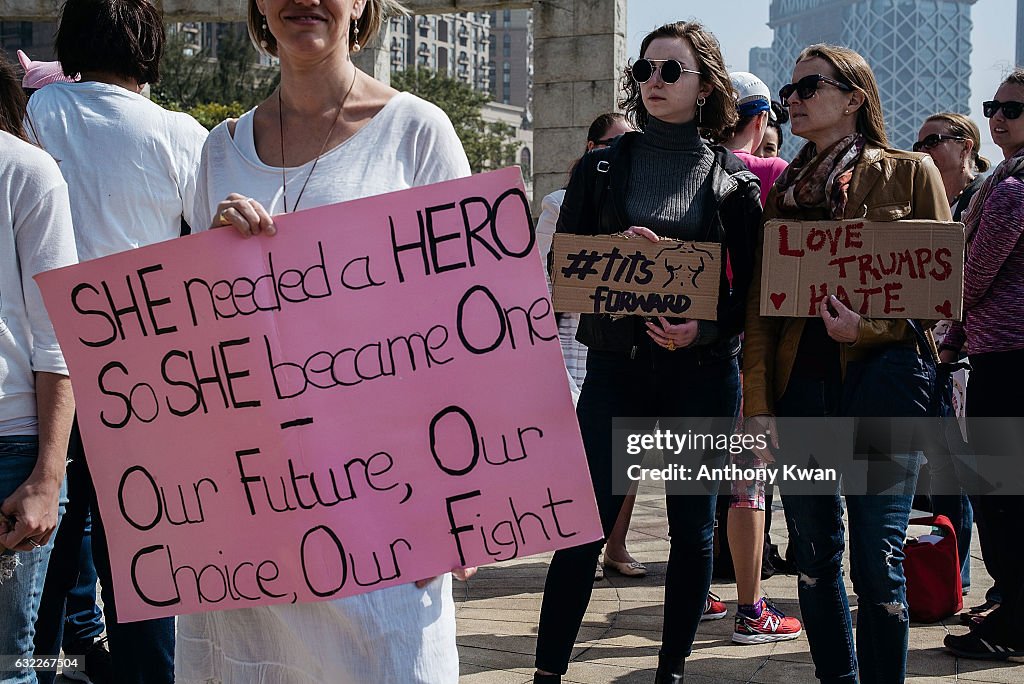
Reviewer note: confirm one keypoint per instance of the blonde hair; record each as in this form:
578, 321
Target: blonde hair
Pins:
375, 15
962, 126
853, 70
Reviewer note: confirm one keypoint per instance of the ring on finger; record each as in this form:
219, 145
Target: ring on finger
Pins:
671, 345
222, 220
33, 542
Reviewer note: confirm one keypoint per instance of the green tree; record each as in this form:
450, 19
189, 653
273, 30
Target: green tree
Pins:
213, 89
487, 145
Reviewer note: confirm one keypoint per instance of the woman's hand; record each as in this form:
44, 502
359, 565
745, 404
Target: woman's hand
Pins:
461, 574
642, 232
844, 324
244, 213
671, 336
763, 425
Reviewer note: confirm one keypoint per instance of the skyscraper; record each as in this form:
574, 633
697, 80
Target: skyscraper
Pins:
920, 52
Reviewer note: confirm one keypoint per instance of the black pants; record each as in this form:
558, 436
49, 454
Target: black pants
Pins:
683, 383
994, 390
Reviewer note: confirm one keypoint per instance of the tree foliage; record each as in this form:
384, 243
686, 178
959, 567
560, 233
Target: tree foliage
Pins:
213, 89
488, 145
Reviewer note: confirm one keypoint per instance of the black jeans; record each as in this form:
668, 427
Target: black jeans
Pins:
683, 383
994, 391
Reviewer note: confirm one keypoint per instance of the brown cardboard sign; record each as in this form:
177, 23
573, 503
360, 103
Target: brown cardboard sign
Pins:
900, 269
611, 274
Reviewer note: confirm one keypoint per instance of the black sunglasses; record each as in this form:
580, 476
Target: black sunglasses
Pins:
807, 86
1011, 109
643, 69
934, 139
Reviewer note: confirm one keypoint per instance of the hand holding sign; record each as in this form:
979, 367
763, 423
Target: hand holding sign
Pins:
248, 216
841, 323
671, 336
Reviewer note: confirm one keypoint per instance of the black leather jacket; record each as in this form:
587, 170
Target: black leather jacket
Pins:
594, 204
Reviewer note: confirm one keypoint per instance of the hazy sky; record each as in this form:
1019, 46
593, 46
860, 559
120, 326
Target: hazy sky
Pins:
742, 24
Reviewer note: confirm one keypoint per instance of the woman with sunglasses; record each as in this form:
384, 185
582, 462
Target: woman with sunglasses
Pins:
666, 182
797, 367
952, 141
993, 329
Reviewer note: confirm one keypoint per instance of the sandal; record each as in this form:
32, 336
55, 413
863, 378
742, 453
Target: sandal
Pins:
631, 568
977, 614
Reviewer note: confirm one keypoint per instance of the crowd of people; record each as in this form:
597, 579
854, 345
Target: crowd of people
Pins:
694, 155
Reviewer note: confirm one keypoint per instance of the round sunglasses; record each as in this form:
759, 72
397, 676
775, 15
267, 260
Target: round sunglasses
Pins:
1011, 109
807, 86
930, 141
643, 69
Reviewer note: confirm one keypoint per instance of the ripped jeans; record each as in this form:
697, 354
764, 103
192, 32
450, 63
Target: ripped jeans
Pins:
878, 526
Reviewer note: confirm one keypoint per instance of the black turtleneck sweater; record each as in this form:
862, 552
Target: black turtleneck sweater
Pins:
669, 179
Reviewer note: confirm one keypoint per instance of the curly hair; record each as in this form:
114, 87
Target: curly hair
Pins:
719, 112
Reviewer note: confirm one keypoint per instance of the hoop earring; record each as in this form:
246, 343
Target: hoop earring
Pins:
356, 47
263, 34
701, 101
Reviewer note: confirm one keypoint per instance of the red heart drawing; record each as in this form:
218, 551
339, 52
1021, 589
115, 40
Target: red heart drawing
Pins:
777, 299
946, 309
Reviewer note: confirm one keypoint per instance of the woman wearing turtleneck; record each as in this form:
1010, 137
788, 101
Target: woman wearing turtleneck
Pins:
807, 367
661, 182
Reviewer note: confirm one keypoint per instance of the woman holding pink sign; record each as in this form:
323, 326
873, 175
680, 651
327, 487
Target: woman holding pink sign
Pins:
328, 134
808, 367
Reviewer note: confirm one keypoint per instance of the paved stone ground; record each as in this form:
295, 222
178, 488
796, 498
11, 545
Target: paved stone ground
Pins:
498, 609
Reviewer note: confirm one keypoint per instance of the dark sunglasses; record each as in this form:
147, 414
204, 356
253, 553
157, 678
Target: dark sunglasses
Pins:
807, 86
643, 69
1011, 109
934, 139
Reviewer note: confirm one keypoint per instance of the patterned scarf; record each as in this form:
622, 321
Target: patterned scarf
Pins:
1011, 166
820, 181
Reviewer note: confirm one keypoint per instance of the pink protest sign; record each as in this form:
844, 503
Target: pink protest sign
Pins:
374, 396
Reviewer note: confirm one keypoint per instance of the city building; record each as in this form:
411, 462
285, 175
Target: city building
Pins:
920, 51
34, 37
452, 44
511, 57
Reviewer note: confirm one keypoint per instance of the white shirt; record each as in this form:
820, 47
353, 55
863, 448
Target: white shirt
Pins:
35, 236
129, 163
397, 634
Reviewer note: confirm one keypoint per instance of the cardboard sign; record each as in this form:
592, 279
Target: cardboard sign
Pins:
612, 275
374, 396
902, 269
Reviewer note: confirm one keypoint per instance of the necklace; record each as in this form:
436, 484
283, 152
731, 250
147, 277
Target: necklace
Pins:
280, 121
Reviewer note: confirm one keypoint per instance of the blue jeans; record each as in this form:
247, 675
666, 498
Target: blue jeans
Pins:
878, 526
684, 383
142, 652
19, 595
68, 615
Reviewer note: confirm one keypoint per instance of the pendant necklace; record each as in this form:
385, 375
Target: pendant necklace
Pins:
323, 147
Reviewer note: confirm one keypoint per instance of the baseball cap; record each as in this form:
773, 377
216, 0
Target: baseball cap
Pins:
753, 95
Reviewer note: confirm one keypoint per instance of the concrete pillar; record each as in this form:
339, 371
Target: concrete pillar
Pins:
579, 54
